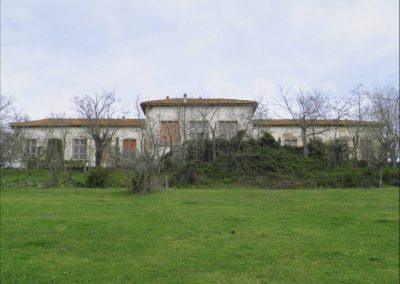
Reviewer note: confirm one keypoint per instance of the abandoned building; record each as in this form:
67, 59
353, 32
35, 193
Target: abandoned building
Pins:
172, 121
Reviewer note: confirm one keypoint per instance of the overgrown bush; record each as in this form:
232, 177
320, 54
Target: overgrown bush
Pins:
187, 174
268, 140
391, 176
97, 177
75, 164
144, 173
264, 163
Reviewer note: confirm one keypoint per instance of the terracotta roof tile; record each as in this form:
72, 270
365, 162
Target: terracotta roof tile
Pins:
320, 122
197, 102
78, 122
129, 122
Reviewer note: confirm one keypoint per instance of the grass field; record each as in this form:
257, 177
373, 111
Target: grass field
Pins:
200, 236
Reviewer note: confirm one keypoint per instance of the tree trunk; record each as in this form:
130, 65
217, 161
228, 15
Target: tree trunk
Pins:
380, 176
214, 147
304, 140
393, 158
355, 151
98, 157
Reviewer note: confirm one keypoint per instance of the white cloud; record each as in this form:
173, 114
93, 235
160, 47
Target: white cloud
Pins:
53, 50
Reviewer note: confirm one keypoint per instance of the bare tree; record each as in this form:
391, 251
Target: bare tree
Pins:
6, 137
11, 142
306, 108
145, 166
358, 112
56, 137
100, 110
384, 109
6, 111
59, 129
262, 111
261, 117
341, 109
205, 120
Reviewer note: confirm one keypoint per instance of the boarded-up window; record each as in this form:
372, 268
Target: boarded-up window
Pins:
290, 142
79, 149
169, 132
128, 148
31, 148
198, 130
227, 129
107, 151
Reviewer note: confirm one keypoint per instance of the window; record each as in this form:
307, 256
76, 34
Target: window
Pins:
107, 151
198, 130
290, 142
31, 147
169, 132
128, 148
79, 149
227, 129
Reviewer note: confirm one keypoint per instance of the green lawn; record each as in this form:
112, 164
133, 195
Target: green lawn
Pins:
200, 236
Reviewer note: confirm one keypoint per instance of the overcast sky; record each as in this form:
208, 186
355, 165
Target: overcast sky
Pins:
53, 50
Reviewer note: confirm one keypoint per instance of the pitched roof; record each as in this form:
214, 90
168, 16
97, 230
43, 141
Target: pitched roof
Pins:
78, 122
319, 122
197, 102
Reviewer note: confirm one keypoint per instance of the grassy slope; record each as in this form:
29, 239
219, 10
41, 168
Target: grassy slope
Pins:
181, 236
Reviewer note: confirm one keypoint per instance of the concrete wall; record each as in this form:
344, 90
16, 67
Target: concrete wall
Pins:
185, 114
43, 134
322, 133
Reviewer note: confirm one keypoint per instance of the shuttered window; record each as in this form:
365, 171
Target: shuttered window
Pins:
107, 151
169, 132
128, 148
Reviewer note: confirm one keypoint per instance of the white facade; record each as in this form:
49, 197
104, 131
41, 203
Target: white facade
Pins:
288, 134
174, 121
41, 136
186, 117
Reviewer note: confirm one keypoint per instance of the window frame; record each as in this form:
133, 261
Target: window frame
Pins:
128, 154
198, 129
81, 154
172, 126
232, 131
32, 147
292, 142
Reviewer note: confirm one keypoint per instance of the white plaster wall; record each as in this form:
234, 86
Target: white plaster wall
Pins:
42, 134
295, 132
185, 114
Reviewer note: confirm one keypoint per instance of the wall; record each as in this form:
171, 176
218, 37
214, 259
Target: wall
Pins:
42, 134
185, 114
323, 133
